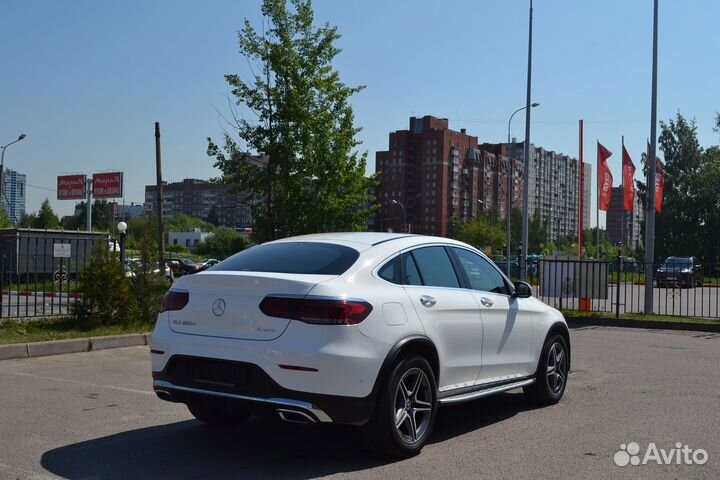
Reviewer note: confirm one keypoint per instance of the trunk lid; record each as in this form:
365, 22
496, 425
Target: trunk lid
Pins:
226, 304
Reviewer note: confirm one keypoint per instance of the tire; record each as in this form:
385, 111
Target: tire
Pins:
216, 415
550, 381
409, 392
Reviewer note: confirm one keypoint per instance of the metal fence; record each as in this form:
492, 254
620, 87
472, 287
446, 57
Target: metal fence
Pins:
690, 290
39, 271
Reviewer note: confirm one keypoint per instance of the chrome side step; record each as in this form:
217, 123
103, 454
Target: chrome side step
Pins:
466, 397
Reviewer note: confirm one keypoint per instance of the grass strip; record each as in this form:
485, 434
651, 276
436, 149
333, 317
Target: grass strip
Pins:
13, 331
640, 317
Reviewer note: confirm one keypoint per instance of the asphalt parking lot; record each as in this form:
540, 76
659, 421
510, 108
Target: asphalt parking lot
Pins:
93, 415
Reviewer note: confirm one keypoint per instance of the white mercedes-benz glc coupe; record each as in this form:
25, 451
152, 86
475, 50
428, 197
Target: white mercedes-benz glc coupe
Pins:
370, 329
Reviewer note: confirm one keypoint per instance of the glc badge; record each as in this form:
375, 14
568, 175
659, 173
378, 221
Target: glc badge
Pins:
218, 307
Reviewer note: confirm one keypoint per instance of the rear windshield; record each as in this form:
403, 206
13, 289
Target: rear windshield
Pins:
292, 257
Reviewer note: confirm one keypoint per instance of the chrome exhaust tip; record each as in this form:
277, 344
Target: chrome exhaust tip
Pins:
164, 395
294, 416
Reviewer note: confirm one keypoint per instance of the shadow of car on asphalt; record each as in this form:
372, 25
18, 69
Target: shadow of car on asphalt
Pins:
262, 448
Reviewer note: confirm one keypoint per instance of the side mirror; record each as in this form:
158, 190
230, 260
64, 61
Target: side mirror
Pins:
522, 290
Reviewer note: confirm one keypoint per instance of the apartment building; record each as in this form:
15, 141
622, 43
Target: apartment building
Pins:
431, 174
212, 202
553, 186
14, 193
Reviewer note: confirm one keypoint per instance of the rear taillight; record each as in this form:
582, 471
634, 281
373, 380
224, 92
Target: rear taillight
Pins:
174, 300
317, 311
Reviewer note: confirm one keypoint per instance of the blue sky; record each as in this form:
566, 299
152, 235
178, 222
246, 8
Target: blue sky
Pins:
87, 79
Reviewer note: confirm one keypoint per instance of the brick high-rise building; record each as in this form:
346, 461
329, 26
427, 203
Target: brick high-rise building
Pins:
431, 174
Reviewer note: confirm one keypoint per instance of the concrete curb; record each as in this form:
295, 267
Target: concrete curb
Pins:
118, 341
58, 347
14, 350
646, 324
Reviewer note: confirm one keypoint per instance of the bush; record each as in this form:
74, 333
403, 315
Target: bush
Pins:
222, 243
149, 284
108, 295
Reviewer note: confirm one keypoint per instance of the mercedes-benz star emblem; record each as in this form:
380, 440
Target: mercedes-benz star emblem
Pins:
218, 307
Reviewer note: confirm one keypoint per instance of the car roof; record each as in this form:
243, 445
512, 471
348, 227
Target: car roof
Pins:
366, 238
362, 241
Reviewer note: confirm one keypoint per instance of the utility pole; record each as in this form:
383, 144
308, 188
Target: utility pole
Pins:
650, 220
526, 186
161, 226
88, 205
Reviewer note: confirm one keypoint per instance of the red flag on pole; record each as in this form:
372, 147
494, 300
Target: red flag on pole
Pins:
659, 185
628, 176
605, 178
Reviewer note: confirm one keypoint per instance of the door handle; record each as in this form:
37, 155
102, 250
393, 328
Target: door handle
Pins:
486, 302
428, 301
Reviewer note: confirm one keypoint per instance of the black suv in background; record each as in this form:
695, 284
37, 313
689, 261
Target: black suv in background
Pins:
680, 271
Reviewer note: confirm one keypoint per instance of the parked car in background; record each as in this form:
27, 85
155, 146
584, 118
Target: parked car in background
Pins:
132, 266
629, 265
680, 271
369, 329
183, 266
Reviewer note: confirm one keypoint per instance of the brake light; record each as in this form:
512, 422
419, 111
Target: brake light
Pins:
317, 311
174, 300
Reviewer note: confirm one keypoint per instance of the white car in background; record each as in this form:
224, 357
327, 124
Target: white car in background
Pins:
369, 329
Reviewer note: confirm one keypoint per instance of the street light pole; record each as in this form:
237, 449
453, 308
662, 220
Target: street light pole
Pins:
2, 167
508, 207
404, 216
526, 189
122, 227
650, 220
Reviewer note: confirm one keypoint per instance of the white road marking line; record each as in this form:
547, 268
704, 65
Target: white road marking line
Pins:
80, 382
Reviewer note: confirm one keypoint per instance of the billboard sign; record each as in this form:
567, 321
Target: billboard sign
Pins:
108, 185
71, 187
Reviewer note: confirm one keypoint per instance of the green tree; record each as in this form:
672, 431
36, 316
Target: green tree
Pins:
313, 179
102, 217
482, 233
222, 243
46, 217
4, 219
537, 234
676, 228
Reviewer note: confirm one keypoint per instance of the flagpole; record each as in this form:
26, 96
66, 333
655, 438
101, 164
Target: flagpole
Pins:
581, 195
650, 219
622, 212
597, 204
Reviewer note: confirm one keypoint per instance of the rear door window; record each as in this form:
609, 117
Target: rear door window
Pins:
435, 268
312, 258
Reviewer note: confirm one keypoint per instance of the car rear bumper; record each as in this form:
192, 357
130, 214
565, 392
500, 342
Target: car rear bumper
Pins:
245, 387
